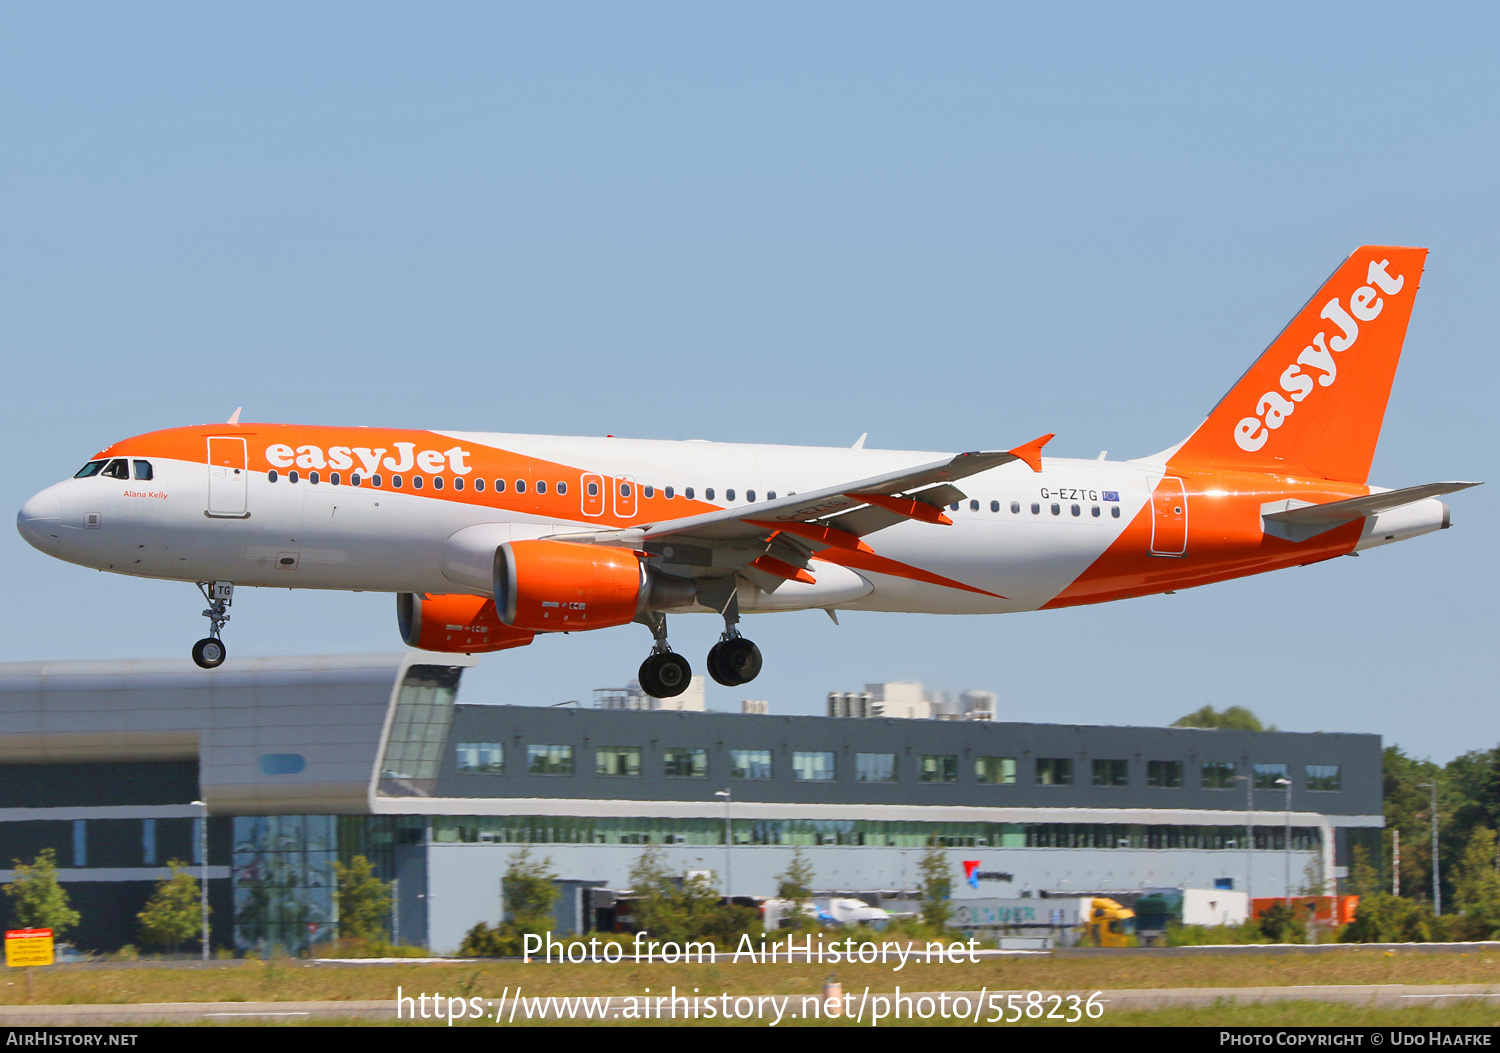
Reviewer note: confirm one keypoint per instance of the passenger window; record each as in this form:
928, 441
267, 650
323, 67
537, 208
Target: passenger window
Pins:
499, 486
143, 471
1114, 510
953, 507
750, 496
1095, 512
973, 506
624, 489
89, 470
118, 469
291, 476
994, 506
333, 477
770, 495
562, 488
479, 485
271, 475
312, 477
649, 491
396, 483
1056, 509
374, 480
437, 482
1077, 511
593, 489
729, 495
520, 486
1015, 507
668, 492
541, 486
458, 484
1036, 509
416, 482
708, 495
354, 479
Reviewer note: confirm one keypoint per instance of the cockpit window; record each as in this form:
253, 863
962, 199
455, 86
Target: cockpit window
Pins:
119, 468
143, 471
89, 470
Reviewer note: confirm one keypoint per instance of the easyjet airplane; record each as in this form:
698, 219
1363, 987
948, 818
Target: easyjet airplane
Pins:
488, 539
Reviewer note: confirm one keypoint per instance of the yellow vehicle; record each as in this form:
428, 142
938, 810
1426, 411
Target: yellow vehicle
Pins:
1110, 925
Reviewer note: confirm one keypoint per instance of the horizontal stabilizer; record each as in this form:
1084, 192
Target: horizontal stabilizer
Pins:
1298, 521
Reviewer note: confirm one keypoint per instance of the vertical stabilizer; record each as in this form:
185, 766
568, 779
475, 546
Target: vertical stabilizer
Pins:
1313, 403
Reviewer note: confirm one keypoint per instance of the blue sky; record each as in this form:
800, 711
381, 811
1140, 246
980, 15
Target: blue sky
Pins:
952, 228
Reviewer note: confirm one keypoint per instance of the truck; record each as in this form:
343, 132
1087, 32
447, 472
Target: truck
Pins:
1055, 921
1158, 908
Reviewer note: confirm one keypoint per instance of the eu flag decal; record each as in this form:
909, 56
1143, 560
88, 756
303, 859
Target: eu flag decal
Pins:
1111, 495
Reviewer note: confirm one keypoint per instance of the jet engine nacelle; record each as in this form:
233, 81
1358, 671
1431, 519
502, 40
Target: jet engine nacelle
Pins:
563, 586
455, 624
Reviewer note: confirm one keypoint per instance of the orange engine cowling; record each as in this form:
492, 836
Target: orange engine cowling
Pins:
455, 624
562, 586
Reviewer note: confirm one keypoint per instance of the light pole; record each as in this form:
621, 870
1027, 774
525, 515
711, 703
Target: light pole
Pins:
1249, 831
1437, 889
1287, 783
203, 873
728, 844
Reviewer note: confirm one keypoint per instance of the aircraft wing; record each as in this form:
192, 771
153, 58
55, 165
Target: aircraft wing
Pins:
834, 515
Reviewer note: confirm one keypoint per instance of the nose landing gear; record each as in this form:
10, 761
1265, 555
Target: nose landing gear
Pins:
209, 652
664, 673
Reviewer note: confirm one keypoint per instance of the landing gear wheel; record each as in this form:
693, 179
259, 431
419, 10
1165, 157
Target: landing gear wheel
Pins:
209, 653
734, 661
665, 675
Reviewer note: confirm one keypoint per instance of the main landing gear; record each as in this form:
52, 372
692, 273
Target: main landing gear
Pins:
664, 673
209, 652
732, 661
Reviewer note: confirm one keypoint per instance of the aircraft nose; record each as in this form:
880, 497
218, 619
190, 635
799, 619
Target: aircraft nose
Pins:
40, 521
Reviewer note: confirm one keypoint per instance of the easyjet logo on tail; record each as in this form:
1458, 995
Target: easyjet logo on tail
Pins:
280, 455
1274, 407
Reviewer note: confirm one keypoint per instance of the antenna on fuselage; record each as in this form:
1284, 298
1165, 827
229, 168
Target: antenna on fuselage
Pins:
234, 418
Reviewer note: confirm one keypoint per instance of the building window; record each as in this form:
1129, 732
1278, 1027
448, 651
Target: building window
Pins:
80, 843
938, 767
812, 766
1164, 774
1111, 773
148, 842
481, 758
997, 771
1267, 774
686, 763
749, 764
618, 761
874, 767
549, 760
1054, 771
1218, 775
1322, 776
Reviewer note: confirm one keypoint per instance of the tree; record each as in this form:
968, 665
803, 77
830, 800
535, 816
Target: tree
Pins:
1476, 884
795, 884
530, 892
1235, 718
364, 900
1280, 923
676, 908
174, 913
936, 885
37, 900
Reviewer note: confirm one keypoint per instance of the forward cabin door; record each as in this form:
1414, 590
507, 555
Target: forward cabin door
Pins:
1169, 518
228, 477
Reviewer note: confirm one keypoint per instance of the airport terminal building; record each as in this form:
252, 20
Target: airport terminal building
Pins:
295, 763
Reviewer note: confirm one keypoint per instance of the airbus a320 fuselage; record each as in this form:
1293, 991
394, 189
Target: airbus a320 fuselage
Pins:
488, 539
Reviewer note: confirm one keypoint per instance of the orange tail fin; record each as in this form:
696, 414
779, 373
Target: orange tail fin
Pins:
1315, 400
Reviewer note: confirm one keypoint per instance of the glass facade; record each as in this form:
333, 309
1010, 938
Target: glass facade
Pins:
282, 869
419, 731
